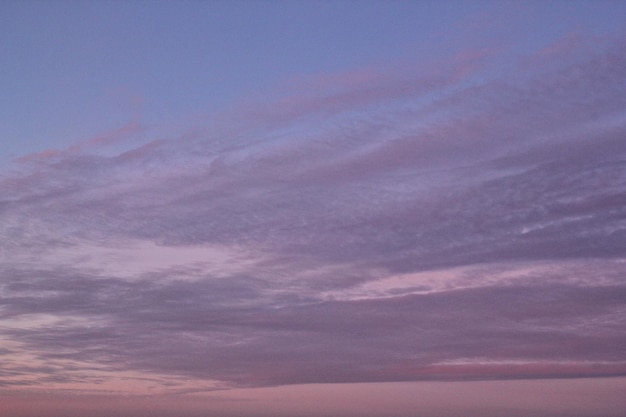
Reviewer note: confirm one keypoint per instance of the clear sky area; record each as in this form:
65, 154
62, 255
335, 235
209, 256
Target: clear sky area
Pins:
312, 208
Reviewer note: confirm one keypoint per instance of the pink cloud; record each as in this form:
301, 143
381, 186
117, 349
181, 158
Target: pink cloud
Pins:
108, 138
111, 137
355, 90
535, 370
40, 156
563, 49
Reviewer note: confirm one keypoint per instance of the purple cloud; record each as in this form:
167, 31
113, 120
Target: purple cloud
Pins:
268, 236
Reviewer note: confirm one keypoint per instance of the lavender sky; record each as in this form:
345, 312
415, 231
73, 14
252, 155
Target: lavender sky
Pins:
312, 208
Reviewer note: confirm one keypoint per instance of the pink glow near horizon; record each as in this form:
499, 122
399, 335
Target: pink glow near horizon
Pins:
555, 397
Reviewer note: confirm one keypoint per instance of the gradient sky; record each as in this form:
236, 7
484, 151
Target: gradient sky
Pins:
320, 208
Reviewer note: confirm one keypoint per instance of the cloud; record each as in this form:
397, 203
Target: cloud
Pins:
265, 253
117, 136
236, 331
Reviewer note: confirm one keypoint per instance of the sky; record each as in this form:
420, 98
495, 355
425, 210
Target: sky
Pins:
312, 208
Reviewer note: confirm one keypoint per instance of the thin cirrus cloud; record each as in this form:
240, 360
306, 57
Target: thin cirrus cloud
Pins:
461, 223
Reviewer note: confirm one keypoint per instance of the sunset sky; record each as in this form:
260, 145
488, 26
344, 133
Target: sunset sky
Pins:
312, 208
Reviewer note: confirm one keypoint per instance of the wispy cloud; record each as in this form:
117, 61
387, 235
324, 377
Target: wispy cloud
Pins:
266, 252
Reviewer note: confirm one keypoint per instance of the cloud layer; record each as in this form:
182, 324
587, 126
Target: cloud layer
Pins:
457, 220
